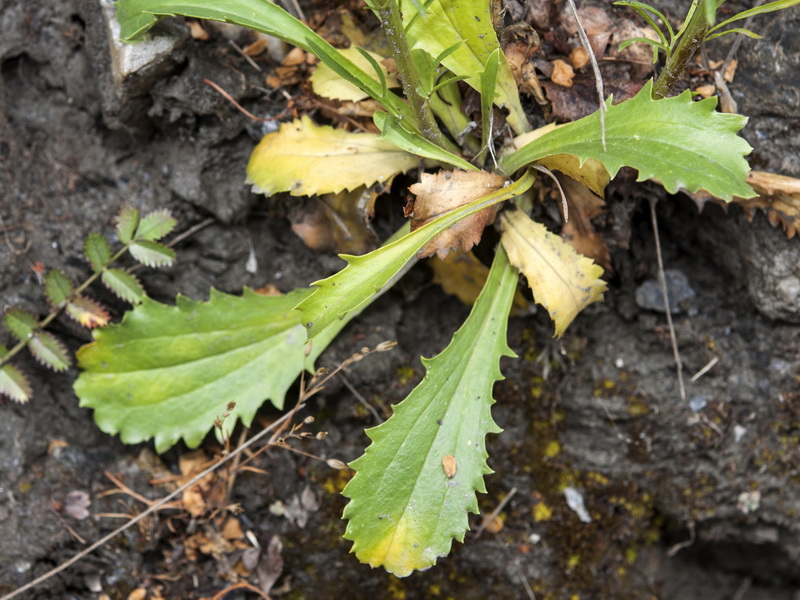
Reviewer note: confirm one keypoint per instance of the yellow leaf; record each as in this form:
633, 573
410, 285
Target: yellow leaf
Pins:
591, 173
304, 159
401, 551
562, 281
328, 84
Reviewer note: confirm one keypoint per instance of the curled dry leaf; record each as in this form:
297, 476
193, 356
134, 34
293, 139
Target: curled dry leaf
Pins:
778, 196
562, 281
562, 73
445, 191
464, 276
579, 232
304, 159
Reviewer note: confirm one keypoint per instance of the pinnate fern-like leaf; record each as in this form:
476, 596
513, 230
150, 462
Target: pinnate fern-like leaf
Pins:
155, 225
124, 285
152, 254
127, 222
20, 323
49, 351
57, 287
97, 251
14, 384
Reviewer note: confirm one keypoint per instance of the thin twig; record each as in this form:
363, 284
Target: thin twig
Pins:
491, 516
598, 78
662, 281
360, 398
705, 369
230, 99
279, 424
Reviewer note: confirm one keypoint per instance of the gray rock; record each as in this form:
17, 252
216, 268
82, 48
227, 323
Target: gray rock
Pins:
680, 292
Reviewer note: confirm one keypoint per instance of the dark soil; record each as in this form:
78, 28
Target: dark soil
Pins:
598, 411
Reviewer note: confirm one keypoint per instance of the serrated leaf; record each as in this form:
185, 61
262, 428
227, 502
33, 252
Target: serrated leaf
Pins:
127, 222
57, 287
155, 225
152, 254
328, 84
562, 281
124, 285
49, 351
88, 312
14, 384
20, 323
470, 21
415, 144
589, 172
97, 251
683, 144
304, 159
416, 483
366, 276
167, 372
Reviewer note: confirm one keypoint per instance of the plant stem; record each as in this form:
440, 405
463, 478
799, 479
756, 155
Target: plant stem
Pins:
693, 35
392, 24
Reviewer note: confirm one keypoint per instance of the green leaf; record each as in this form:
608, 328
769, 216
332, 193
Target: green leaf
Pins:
97, 251
469, 21
683, 144
152, 254
758, 10
415, 144
49, 351
644, 10
155, 225
739, 30
14, 384
20, 323
124, 285
416, 483
127, 222
137, 16
167, 372
366, 276
57, 287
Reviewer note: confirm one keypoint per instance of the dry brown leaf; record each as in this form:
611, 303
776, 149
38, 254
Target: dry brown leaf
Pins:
706, 91
232, 529
194, 499
445, 191
579, 232
778, 196
463, 276
562, 281
562, 73
578, 57
196, 30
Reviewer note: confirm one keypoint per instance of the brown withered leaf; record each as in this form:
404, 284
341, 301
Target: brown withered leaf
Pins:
579, 232
445, 191
563, 74
463, 276
338, 222
778, 196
